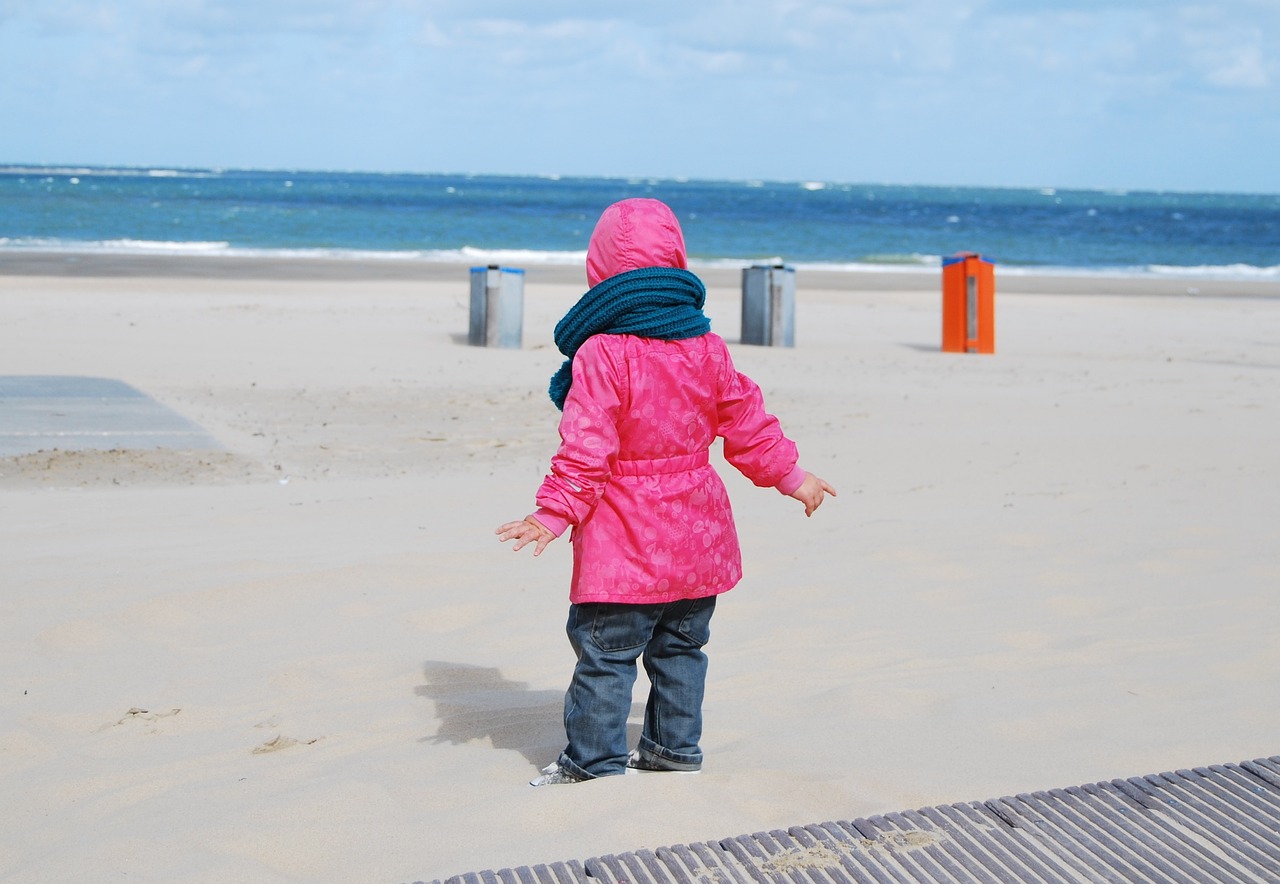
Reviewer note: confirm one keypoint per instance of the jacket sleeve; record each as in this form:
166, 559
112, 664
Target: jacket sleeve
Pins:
753, 439
583, 464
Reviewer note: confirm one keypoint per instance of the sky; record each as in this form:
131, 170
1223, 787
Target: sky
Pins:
1130, 94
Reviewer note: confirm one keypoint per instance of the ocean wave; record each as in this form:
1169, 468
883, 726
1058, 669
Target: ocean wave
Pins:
735, 263
911, 259
107, 172
112, 246
1228, 271
508, 256
163, 247
474, 255
464, 255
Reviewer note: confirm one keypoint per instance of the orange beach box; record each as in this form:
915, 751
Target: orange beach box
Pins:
968, 304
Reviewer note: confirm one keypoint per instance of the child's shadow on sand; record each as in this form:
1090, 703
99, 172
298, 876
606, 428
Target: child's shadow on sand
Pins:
475, 702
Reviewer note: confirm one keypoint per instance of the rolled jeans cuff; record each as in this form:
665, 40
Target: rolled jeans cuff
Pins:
664, 757
567, 764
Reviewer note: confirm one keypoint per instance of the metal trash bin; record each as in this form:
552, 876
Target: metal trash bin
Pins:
968, 304
769, 305
497, 307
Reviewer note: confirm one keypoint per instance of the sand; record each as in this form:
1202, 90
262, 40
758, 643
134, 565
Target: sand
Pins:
305, 657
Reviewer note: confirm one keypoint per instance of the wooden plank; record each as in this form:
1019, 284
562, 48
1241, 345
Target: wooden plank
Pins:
1186, 830
937, 844
702, 863
566, 873
1204, 825
1123, 820
916, 864
1188, 853
644, 862
1107, 849
1267, 769
1245, 797
610, 870
560, 873
1218, 804
1261, 790
770, 853
714, 853
849, 858
472, 878
986, 840
789, 858
970, 847
1016, 846
745, 851
1080, 855
886, 863
1112, 824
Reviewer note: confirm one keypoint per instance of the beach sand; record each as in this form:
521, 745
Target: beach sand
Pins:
305, 657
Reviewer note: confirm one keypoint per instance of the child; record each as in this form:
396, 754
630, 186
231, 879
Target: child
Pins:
645, 392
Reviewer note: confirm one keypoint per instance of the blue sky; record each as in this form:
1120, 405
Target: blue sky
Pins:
1137, 94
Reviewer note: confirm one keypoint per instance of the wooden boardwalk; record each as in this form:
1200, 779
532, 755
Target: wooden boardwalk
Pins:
1218, 823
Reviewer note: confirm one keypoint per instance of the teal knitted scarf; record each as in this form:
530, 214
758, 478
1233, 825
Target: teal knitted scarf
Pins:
652, 302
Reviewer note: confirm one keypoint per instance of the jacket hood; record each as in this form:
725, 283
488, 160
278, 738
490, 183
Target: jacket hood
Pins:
633, 234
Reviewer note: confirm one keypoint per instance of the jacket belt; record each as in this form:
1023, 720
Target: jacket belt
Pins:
681, 463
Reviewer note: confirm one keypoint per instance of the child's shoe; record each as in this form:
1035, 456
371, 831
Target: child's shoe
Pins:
554, 775
638, 763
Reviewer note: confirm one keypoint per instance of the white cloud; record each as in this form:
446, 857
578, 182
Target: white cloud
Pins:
1246, 71
1226, 54
431, 34
717, 63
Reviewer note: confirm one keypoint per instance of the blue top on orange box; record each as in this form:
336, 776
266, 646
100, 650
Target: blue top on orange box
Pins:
961, 256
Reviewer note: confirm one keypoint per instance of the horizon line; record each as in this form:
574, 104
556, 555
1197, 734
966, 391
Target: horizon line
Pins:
816, 184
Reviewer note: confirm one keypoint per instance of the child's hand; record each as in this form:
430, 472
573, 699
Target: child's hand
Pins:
811, 492
524, 532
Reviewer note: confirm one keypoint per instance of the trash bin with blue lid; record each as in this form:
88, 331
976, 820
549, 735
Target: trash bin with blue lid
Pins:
769, 305
497, 307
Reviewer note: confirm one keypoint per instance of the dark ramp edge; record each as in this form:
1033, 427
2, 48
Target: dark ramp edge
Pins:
1216, 823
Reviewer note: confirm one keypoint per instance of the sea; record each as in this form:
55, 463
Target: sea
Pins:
526, 220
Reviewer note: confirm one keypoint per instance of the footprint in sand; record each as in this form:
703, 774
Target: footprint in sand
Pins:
137, 713
278, 743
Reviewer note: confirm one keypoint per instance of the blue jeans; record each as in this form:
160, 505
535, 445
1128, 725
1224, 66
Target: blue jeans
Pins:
608, 638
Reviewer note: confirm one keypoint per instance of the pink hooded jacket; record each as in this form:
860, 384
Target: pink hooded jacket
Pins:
651, 517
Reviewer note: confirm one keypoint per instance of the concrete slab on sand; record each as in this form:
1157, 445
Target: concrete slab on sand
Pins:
47, 412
